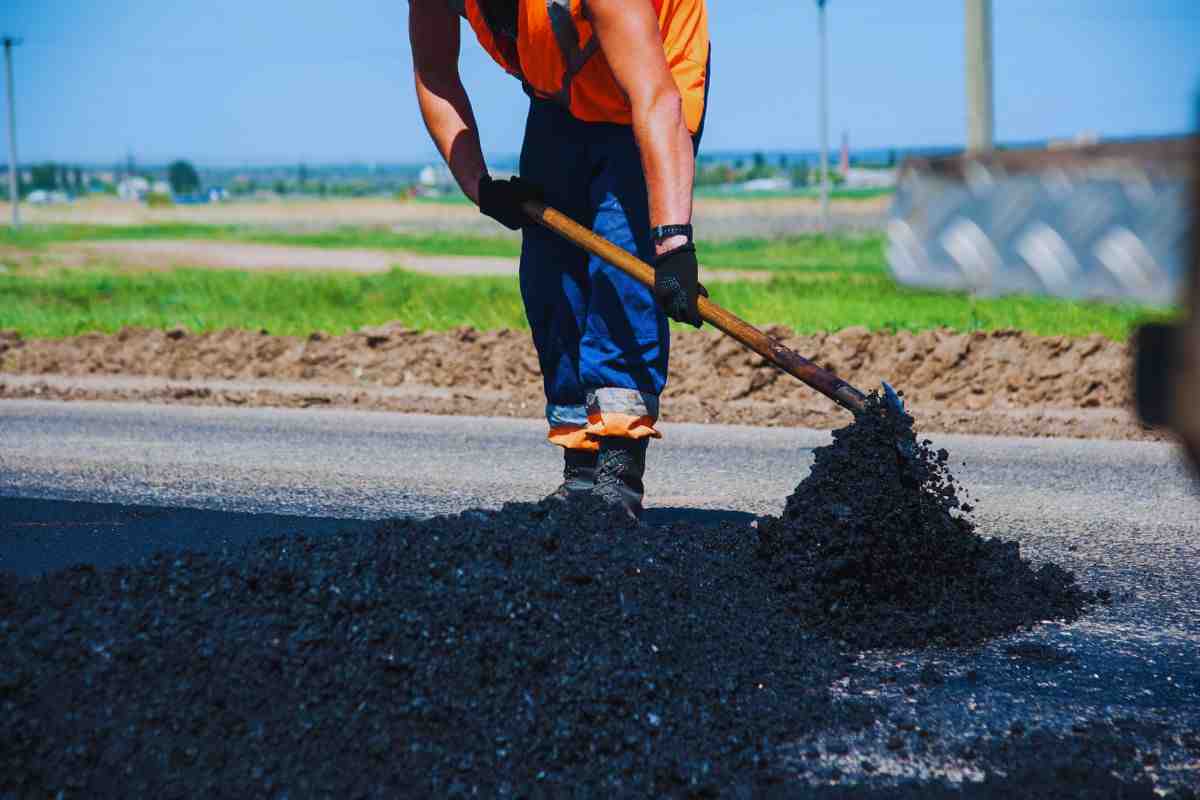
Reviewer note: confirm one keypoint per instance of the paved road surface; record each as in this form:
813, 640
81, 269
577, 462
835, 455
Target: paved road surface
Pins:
112, 482
338, 464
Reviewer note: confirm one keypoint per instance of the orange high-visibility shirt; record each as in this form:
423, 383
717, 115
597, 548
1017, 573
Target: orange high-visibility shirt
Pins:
556, 54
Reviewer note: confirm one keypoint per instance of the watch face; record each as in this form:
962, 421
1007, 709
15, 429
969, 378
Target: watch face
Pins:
667, 231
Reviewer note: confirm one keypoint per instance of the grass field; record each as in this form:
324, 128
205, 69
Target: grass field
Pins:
813, 192
818, 284
38, 237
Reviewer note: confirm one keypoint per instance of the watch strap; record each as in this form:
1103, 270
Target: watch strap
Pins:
663, 232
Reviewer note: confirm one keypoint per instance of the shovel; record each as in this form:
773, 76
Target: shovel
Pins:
787, 360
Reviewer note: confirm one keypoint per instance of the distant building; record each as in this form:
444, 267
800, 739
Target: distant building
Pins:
133, 188
1081, 139
844, 162
41, 197
434, 180
766, 185
160, 187
857, 178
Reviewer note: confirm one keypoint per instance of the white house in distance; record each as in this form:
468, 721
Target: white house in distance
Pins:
41, 197
436, 180
870, 178
133, 188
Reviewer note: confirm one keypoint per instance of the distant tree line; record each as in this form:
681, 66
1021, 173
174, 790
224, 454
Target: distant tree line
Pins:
50, 176
799, 172
722, 173
362, 180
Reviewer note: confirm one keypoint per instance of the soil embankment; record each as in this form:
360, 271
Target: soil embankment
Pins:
1003, 382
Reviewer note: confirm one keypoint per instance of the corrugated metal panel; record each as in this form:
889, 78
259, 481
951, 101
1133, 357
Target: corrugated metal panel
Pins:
1100, 222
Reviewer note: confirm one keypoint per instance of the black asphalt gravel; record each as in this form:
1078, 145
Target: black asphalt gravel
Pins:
877, 548
547, 651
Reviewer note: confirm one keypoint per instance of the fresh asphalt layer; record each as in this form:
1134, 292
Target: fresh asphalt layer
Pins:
110, 483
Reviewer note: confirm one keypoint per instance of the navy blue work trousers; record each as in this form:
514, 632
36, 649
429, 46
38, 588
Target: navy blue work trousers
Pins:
602, 339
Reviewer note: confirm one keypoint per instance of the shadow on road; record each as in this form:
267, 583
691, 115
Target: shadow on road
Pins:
38, 536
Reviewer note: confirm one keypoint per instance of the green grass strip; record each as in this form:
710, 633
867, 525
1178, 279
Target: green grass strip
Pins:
828, 304
38, 237
855, 254
67, 302
813, 193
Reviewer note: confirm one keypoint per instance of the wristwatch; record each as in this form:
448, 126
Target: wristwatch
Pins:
664, 232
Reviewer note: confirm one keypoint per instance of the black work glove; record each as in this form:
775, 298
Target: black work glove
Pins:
676, 286
501, 200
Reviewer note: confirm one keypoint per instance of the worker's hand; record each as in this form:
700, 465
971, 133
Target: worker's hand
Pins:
676, 286
501, 200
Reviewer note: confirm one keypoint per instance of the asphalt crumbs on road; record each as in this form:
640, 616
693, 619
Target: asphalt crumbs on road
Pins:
527, 651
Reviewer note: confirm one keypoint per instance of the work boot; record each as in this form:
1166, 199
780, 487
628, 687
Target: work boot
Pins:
579, 476
619, 472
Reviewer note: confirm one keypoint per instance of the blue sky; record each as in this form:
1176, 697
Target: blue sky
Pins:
262, 81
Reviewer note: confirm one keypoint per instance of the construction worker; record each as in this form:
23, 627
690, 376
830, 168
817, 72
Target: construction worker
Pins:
617, 99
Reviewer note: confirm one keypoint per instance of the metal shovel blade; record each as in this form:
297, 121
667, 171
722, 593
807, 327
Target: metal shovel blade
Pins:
905, 447
891, 397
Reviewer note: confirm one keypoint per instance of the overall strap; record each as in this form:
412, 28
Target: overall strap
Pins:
567, 35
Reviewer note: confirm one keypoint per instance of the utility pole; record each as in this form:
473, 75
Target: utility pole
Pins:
980, 124
13, 189
823, 112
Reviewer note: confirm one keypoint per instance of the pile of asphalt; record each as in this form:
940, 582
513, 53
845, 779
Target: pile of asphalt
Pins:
507, 653
877, 547
530, 650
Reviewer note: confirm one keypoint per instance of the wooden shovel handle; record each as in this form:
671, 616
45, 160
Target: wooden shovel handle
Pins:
730, 324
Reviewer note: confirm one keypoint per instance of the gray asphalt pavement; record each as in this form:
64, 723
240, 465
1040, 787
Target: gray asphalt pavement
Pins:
366, 465
1051, 494
112, 482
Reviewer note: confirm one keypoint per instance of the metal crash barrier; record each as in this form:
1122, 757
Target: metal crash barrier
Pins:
1116, 222
1106, 221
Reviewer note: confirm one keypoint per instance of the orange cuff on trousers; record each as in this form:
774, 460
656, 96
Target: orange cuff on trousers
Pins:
573, 437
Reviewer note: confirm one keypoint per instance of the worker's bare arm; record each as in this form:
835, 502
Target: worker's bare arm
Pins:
433, 31
632, 44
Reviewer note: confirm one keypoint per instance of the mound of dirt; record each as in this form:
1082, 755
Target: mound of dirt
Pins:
878, 549
1005, 382
958, 370
970, 371
532, 650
